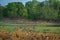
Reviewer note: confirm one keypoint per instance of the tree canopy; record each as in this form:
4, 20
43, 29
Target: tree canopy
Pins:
46, 10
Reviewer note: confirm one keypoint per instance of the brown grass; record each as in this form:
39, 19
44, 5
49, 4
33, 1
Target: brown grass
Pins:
19, 35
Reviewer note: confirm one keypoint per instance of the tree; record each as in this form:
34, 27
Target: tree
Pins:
16, 10
1, 11
58, 8
39, 11
32, 9
11, 10
49, 11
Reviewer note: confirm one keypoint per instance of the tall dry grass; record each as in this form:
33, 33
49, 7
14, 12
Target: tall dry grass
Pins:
19, 35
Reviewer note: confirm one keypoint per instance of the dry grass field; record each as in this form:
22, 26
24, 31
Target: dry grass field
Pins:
19, 35
31, 31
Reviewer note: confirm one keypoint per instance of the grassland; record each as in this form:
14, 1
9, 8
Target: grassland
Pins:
34, 27
29, 31
44, 27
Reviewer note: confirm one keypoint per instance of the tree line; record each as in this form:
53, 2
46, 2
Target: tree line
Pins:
35, 10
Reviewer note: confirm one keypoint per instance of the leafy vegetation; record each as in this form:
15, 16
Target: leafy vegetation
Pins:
46, 10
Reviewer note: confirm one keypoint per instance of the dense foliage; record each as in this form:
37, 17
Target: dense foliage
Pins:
46, 10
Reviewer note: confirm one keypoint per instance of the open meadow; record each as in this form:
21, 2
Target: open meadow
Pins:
30, 31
